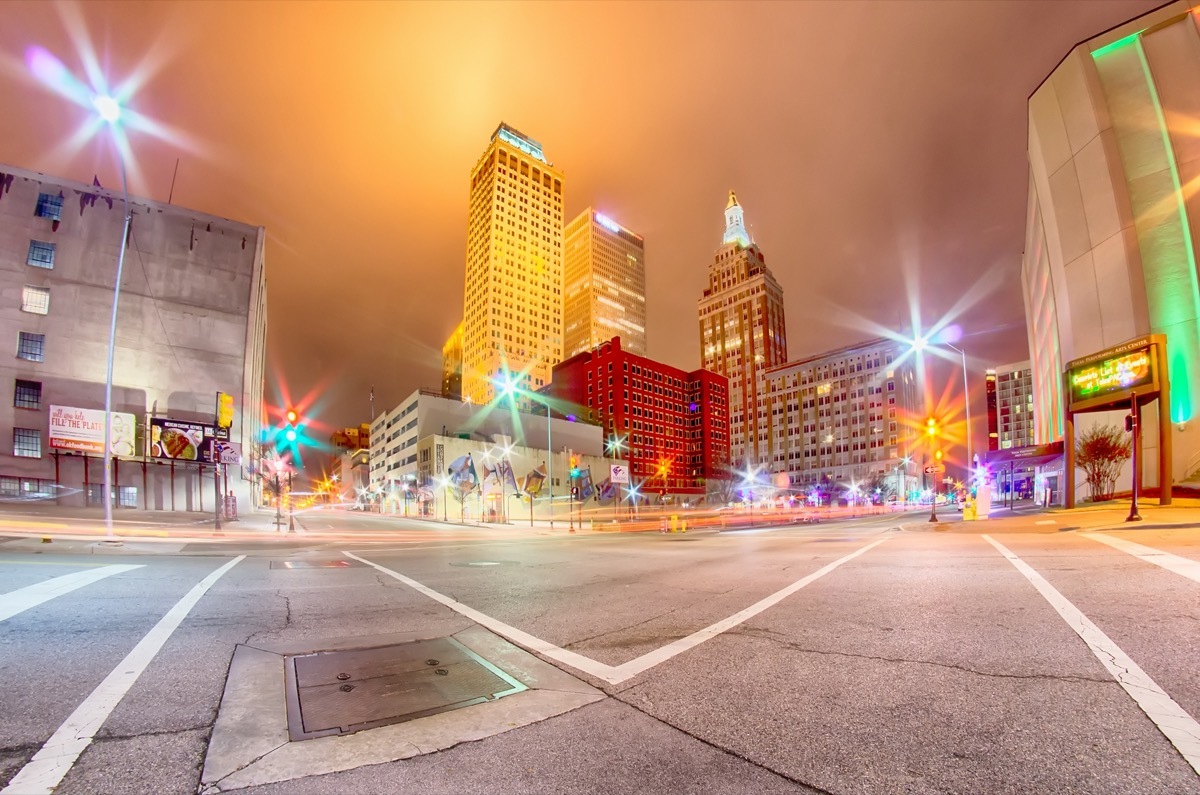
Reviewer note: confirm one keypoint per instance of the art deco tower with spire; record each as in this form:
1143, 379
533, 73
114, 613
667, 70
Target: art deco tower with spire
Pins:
742, 334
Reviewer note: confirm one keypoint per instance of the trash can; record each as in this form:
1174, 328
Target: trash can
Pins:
969, 511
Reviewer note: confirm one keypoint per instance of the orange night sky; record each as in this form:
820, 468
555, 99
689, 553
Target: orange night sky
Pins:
878, 149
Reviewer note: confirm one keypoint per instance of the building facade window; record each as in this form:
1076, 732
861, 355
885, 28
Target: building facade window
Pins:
27, 394
49, 206
41, 254
35, 300
31, 346
27, 443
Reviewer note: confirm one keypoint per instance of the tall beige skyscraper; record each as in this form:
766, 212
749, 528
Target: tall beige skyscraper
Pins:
605, 290
742, 335
512, 307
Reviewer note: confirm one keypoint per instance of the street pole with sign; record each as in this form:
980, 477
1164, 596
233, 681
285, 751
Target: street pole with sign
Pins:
1135, 427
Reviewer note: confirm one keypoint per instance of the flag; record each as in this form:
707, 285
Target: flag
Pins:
533, 481
500, 476
607, 489
586, 490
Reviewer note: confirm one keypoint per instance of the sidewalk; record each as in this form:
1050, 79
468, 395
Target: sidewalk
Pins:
1183, 513
30, 515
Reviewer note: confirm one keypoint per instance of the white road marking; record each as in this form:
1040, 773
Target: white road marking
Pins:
49, 765
22, 599
609, 673
1184, 566
1171, 719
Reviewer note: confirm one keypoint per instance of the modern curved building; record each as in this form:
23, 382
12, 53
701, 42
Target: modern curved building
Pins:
1113, 222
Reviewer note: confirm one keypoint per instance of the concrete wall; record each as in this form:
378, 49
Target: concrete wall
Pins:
523, 460
191, 322
394, 443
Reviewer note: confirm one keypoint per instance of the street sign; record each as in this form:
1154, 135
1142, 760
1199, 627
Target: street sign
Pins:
230, 454
618, 473
933, 469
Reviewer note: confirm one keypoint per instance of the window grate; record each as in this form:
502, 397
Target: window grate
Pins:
41, 254
35, 300
31, 346
27, 443
27, 394
49, 206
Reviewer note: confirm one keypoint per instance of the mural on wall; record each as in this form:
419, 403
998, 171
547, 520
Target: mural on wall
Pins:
463, 475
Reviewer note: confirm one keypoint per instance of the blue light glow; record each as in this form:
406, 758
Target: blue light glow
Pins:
531, 148
608, 223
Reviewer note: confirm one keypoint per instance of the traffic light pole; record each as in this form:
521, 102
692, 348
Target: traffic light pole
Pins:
1134, 516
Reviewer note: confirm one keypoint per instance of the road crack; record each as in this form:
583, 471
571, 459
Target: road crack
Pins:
774, 638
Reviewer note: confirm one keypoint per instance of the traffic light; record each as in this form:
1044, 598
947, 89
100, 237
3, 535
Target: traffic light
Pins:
289, 432
574, 492
938, 455
1128, 423
931, 426
574, 466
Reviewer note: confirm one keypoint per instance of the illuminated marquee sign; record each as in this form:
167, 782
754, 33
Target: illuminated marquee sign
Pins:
608, 223
531, 148
1112, 375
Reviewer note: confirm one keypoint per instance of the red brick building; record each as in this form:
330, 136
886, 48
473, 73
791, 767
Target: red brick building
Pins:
674, 424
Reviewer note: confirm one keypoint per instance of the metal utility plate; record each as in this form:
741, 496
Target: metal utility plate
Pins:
345, 691
314, 564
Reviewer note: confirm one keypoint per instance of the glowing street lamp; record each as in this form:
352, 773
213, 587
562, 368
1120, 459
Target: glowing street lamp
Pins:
920, 343
444, 483
748, 482
509, 389
110, 111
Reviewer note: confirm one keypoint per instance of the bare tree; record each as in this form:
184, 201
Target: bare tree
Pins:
720, 490
1100, 452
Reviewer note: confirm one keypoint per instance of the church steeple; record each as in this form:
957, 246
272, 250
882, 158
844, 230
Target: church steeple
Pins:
735, 226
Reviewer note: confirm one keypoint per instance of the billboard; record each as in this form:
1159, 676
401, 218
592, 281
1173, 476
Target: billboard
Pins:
177, 440
82, 430
1112, 375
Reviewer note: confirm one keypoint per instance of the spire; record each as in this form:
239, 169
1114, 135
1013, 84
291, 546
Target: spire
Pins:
735, 226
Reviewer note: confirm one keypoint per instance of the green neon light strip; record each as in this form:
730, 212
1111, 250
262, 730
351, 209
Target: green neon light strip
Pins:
1107, 48
1178, 364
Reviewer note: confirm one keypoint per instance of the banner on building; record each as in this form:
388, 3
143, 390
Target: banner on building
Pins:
532, 484
618, 473
176, 440
82, 430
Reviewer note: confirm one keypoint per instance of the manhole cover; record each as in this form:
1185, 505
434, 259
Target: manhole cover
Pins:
339, 692
314, 564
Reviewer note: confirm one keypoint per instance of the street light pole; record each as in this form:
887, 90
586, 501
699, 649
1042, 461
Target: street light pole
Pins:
549, 463
110, 112
967, 404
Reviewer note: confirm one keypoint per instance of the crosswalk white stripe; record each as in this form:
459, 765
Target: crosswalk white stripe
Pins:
49, 765
628, 670
22, 599
1183, 566
1171, 719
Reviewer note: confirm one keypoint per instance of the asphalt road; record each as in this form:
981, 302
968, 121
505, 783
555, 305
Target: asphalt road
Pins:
848, 657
